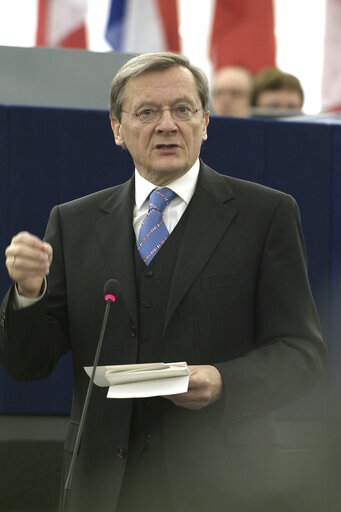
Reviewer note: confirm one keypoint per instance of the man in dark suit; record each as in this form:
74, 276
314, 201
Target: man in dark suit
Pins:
218, 280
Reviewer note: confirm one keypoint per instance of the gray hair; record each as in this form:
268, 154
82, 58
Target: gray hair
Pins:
154, 62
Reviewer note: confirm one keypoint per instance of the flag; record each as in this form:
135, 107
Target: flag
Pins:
331, 76
243, 34
61, 23
138, 26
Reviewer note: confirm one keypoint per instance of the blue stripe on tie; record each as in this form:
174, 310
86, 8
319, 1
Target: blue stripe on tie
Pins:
153, 232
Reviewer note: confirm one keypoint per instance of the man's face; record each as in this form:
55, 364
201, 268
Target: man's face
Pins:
280, 99
231, 92
167, 148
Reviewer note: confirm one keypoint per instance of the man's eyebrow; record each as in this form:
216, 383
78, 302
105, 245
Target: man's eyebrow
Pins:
176, 101
183, 99
146, 104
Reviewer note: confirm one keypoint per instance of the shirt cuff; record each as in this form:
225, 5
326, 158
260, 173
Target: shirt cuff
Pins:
21, 302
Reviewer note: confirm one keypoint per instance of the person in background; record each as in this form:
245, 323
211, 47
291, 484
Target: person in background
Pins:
275, 90
231, 91
212, 272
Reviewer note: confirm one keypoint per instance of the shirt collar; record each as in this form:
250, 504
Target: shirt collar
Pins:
184, 186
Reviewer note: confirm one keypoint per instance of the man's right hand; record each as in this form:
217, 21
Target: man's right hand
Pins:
28, 261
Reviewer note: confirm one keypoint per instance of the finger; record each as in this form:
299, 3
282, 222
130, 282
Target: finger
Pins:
24, 237
28, 245
47, 248
21, 265
188, 404
183, 398
26, 256
26, 249
26, 262
195, 381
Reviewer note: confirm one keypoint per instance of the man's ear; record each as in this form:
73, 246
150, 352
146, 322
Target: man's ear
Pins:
116, 129
206, 120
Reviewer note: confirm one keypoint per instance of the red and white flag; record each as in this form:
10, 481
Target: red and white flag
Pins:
243, 34
138, 26
331, 77
61, 23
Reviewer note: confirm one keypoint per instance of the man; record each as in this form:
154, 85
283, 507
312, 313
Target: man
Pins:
227, 291
231, 91
277, 91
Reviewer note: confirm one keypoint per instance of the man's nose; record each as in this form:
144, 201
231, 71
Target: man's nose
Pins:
166, 121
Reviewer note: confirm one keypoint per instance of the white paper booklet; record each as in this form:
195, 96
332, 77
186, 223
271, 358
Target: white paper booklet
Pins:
142, 380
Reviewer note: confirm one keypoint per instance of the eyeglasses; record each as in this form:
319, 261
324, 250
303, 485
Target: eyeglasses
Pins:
153, 115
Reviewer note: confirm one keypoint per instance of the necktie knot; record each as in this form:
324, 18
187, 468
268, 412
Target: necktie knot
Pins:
159, 199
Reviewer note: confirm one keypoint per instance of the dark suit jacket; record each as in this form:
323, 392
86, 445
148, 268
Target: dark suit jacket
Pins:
239, 299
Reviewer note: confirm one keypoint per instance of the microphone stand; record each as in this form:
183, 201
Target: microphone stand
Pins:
109, 299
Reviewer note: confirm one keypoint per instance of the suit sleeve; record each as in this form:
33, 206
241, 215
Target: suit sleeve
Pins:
34, 338
290, 353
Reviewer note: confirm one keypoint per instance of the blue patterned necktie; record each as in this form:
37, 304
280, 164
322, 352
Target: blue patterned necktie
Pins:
153, 232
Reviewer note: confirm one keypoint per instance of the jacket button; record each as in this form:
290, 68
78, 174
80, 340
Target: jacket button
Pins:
146, 303
121, 453
133, 331
149, 272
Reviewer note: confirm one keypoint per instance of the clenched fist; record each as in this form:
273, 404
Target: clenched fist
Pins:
28, 261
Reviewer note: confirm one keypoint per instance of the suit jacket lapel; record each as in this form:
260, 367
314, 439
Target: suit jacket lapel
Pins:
115, 234
211, 212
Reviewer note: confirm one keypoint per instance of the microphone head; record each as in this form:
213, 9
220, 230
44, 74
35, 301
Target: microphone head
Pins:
111, 290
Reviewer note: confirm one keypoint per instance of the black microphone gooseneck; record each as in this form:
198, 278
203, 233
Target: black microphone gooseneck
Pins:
111, 292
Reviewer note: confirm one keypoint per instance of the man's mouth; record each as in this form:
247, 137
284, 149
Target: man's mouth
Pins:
166, 146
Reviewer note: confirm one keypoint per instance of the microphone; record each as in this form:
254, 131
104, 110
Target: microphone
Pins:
111, 290
111, 293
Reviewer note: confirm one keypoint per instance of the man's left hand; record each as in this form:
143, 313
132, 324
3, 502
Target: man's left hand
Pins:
205, 387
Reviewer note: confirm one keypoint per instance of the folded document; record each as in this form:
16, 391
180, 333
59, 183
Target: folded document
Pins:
142, 380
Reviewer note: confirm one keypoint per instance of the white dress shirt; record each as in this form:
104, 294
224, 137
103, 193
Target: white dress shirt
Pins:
183, 187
